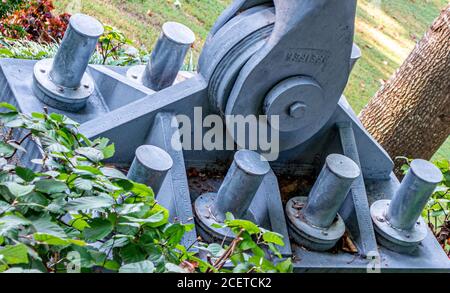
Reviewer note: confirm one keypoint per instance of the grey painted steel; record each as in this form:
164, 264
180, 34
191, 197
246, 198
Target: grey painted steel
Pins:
240, 185
296, 101
295, 50
398, 222
62, 82
168, 56
235, 195
330, 190
356, 210
150, 166
174, 193
314, 221
127, 113
76, 49
414, 193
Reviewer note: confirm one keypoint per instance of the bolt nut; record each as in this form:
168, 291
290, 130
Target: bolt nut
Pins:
297, 110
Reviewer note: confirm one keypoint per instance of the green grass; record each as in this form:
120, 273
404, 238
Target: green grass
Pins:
386, 33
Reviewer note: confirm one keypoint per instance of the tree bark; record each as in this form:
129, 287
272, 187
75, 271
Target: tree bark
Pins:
410, 115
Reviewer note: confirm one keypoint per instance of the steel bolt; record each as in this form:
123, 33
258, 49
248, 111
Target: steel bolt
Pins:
77, 47
240, 185
330, 190
168, 56
297, 110
150, 166
413, 194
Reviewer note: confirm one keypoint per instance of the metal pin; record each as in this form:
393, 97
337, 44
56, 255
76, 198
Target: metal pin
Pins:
150, 166
413, 194
240, 185
168, 56
330, 190
77, 47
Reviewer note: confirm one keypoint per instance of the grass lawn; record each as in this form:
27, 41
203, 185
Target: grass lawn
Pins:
386, 31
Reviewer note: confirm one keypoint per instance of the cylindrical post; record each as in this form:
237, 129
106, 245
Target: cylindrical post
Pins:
330, 190
168, 56
240, 184
76, 49
150, 166
412, 196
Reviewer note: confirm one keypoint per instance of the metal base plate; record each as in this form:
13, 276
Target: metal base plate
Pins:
395, 239
57, 96
136, 72
315, 238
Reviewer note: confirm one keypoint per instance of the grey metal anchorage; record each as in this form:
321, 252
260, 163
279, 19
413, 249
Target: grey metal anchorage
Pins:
150, 166
63, 82
235, 195
397, 222
166, 59
314, 221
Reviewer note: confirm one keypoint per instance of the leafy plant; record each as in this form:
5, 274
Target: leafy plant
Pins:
34, 21
7, 7
116, 49
74, 213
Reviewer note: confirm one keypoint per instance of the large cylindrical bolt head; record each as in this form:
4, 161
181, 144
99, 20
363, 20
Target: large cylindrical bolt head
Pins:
77, 47
240, 184
314, 221
63, 82
412, 196
397, 222
168, 56
330, 190
235, 195
150, 166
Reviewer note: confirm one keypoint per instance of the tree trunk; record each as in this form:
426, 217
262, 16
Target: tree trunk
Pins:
410, 114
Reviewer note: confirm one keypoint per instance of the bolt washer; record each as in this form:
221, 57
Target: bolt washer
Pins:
205, 219
312, 237
403, 241
57, 96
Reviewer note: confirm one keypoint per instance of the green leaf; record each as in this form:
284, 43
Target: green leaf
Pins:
174, 233
113, 173
51, 186
215, 249
22, 271
173, 268
57, 241
25, 173
109, 151
89, 203
15, 254
17, 189
87, 170
6, 150
92, 154
97, 230
248, 226
272, 237
145, 266
285, 266
57, 148
45, 225
132, 253
83, 184
8, 106
10, 222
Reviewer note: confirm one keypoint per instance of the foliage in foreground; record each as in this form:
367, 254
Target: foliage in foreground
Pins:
77, 214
